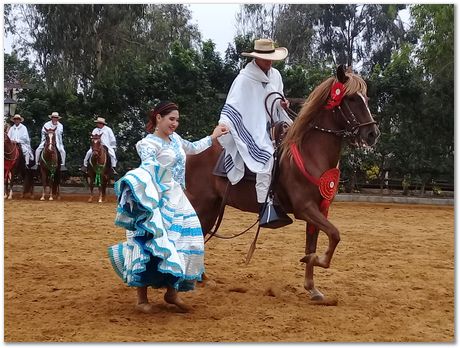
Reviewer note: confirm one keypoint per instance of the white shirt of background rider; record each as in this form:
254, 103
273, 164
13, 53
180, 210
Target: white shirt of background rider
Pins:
18, 133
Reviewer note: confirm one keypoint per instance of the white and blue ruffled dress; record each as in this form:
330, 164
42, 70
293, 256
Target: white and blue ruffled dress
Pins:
164, 244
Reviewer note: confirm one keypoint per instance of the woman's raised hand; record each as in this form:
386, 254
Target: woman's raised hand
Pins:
218, 131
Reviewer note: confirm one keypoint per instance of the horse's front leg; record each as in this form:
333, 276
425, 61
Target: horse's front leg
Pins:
310, 260
44, 189
89, 180
100, 194
315, 217
43, 194
10, 184
51, 192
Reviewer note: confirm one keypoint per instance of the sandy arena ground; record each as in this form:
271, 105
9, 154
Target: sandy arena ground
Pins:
392, 274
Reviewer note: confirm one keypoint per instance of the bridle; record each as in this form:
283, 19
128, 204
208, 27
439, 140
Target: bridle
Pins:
352, 125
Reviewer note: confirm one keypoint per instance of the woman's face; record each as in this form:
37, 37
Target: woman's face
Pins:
168, 123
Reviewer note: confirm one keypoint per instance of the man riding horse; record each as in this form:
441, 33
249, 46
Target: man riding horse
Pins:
18, 134
248, 142
52, 124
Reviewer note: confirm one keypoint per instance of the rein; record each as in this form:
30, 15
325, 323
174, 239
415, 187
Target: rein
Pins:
221, 216
291, 113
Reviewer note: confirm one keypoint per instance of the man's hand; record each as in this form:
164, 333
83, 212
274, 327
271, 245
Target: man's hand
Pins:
284, 104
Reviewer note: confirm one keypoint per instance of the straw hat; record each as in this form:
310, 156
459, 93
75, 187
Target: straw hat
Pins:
17, 116
55, 114
100, 120
265, 49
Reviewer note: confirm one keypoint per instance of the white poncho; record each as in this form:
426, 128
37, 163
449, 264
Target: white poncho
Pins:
248, 141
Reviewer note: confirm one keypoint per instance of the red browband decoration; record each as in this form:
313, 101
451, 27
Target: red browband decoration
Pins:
335, 98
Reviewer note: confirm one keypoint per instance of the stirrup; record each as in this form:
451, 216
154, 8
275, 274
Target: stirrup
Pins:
273, 216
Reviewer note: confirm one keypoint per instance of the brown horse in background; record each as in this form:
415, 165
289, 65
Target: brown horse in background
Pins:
99, 168
317, 133
50, 166
15, 166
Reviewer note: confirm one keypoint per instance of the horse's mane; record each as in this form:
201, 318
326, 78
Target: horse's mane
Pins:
315, 102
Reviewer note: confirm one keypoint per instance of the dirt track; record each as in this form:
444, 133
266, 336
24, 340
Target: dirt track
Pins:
392, 274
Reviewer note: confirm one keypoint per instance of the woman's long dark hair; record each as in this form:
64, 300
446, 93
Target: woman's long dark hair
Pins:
163, 108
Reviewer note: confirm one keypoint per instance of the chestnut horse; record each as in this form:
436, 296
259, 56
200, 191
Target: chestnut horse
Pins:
15, 166
50, 166
311, 147
99, 168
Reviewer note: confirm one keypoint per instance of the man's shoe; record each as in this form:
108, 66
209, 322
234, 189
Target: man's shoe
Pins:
34, 167
63, 168
273, 216
84, 169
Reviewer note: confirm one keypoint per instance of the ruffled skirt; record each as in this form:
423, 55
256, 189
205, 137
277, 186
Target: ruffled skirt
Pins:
164, 244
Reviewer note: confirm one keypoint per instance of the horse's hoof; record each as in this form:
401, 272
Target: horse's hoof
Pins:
310, 258
90, 200
315, 295
51, 198
42, 199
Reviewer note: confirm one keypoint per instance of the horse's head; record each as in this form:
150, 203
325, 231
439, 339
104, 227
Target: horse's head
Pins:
349, 103
96, 143
339, 106
50, 138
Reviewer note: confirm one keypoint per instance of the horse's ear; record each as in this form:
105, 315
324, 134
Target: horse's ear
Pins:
341, 75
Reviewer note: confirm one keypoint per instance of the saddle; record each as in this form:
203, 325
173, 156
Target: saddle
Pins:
278, 132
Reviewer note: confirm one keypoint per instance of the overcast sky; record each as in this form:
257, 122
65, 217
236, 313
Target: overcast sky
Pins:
216, 22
